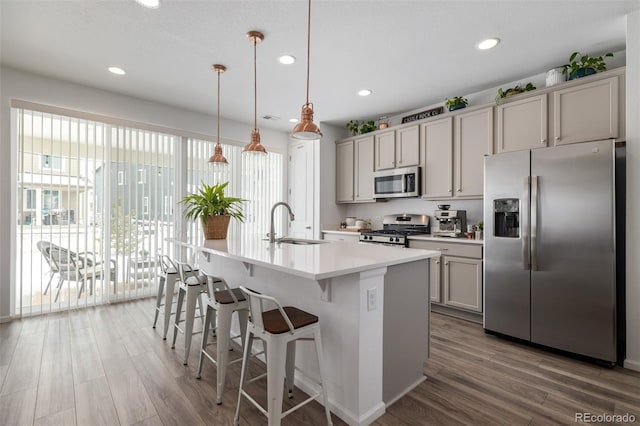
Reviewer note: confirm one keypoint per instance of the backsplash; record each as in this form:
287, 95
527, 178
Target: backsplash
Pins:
375, 211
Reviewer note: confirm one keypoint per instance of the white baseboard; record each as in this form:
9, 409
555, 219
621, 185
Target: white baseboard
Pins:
346, 415
632, 364
5, 319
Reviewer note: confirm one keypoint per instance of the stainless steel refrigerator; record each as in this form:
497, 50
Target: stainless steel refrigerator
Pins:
550, 249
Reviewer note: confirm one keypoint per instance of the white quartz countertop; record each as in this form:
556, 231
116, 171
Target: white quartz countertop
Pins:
318, 261
446, 239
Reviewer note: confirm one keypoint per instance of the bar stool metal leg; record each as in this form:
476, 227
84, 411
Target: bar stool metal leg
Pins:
159, 299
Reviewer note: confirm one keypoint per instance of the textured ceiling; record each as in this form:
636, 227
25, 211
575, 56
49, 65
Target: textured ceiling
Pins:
410, 53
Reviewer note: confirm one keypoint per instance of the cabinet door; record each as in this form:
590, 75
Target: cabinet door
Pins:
473, 140
408, 146
463, 283
434, 279
344, 171
523, 124
364, 169
386, 150
586, 113
437, 143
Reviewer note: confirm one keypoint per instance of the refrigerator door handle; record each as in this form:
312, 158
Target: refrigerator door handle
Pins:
534, 223
525, 226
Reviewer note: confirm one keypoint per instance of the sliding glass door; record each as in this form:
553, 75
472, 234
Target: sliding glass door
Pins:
95, 204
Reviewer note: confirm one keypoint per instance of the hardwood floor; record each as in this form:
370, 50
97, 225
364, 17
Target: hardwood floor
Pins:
107, 366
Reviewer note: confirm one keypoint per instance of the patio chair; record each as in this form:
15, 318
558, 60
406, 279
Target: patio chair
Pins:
70, 266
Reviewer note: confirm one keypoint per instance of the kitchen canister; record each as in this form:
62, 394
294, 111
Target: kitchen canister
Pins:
554, 76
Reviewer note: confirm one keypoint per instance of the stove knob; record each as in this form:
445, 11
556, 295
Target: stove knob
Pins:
391, 239
397, 240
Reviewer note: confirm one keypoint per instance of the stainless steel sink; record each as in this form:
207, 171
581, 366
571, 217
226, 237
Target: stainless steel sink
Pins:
300, 241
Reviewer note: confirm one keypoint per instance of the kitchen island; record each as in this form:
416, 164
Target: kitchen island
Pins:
372, 302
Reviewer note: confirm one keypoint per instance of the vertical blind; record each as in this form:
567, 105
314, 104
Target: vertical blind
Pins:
256, 178
96, 203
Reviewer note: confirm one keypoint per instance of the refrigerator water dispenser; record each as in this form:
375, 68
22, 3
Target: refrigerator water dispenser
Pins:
506, 216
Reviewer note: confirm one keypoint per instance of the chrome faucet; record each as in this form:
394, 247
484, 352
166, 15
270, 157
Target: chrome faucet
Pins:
272, 233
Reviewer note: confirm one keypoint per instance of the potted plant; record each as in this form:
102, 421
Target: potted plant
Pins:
455, 103
480, 230
360, 127
584, 65
214, 209
513, 91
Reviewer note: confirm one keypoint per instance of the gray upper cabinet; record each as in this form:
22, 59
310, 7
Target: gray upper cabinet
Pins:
354, 170
473, 139
344, 171
385, 150
437, 146
408, 146
522, 124
586, 112
363, 176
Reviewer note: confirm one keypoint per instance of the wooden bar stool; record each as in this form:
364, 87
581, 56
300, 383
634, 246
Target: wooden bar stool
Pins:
169, 275
192, 286
279, 328
223, 302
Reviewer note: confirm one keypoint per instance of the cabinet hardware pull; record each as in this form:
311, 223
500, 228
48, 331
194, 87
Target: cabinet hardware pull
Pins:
307, 227
446, 263
557, 138
442, 249
459, 190
542, 141
437, 262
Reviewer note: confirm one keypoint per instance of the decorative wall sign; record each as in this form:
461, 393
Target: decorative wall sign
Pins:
424, 114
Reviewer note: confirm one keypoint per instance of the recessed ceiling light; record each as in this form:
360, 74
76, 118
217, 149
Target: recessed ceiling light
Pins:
364, 92
293, 120
117, 70
151, 4
488, 43
287, 59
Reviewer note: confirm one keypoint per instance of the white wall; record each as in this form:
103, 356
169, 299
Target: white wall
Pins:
15, 84
330, 212
633, 192
375, 211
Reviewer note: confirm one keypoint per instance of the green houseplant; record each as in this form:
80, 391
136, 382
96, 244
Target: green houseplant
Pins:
584, 65
455, 103
214, 209
518, 88
360, 127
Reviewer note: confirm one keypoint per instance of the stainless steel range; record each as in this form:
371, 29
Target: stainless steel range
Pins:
396, 228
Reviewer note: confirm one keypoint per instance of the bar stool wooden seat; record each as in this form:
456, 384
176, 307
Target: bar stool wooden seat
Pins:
223, 302
280, 329
192, 286
169, 275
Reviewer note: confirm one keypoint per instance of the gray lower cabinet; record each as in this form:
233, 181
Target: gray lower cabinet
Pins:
455, 278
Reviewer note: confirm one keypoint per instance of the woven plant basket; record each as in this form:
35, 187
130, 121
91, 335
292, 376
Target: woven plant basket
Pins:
215, 227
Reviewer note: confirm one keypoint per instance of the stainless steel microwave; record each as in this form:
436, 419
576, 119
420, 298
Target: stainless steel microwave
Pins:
395, 183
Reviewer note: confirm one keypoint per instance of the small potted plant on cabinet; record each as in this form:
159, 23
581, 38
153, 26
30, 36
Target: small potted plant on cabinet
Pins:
513, 91
455, 103
583, 65
214, 209
360, 127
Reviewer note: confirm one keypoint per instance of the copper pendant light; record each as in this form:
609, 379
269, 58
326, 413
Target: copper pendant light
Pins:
217, 157
306, 128
254, 145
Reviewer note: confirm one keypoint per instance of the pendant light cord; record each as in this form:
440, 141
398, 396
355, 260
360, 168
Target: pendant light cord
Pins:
219, 72
308, 47
255, 86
